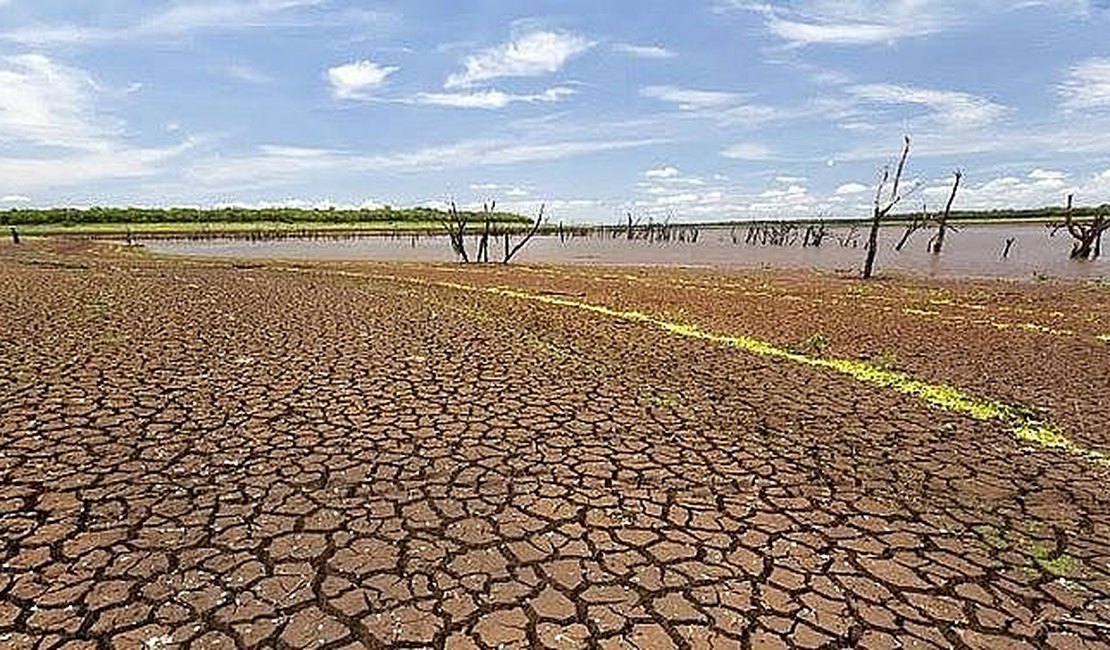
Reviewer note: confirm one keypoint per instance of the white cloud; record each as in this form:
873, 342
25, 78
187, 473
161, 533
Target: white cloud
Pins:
1028, 191
643, 51
727, 108
246, 73
868, 22
508, 190
663, 172
791, 191
181, 18
850, 189
26, 174
1047, 175
949, 108
281, 165
1087, 86
353, 80
689, 99
46, 103
189, 16
491, 99
14, 198
529, 55
747, 151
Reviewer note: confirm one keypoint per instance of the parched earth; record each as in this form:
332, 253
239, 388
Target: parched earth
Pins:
219, 455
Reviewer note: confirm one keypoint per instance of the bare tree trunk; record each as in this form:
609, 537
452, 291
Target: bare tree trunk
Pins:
942, 226
881, 210
872, 244
456, 228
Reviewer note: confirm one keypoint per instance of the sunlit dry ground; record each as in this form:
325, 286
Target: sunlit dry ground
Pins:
208, 454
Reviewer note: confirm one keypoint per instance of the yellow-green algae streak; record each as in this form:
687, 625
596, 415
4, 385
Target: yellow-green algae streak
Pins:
1018, 422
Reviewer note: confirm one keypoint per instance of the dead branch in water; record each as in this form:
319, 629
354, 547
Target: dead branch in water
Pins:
1087, 236
456, 229
883, 207
917, 223
510, 253
942, 224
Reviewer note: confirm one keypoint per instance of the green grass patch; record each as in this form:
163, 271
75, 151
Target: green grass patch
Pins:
1059, 565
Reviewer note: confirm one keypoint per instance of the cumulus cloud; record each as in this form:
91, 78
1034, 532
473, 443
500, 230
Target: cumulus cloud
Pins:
531, 54
354, 80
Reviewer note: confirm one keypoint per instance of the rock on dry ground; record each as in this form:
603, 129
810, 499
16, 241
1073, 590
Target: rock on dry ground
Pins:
219, 455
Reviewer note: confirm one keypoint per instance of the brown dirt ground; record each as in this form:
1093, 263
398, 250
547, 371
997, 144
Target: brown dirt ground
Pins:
219, 455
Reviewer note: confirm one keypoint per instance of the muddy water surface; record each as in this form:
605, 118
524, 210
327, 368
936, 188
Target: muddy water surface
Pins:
974, 251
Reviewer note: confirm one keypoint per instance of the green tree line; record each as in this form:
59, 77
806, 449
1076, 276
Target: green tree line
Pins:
76, 216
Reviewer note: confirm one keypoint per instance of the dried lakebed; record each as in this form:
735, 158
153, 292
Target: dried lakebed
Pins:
208, 454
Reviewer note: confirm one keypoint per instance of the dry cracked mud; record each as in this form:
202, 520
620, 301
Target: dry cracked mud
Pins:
220, 455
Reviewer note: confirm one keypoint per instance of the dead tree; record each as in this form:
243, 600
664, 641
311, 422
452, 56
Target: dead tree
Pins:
883, 208
1087, 236
455, 226
916, 223
510, 253
483, 243
1006, 249
850, 238
942, 223
815, 235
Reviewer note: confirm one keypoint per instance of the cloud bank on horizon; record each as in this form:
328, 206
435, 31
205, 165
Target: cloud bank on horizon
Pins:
696, 109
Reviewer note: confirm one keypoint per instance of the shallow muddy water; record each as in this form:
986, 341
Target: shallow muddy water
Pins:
974, 251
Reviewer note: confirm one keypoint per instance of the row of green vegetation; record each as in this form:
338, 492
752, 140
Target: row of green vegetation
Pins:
386, 216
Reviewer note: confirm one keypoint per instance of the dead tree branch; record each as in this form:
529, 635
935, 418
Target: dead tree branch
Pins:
1087, 236
456, 230
883, 208
916, 223
942, 224
510, 253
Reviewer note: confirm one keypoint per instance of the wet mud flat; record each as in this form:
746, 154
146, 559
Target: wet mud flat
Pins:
262, 454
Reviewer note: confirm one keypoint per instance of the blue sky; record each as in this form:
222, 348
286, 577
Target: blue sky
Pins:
697, 109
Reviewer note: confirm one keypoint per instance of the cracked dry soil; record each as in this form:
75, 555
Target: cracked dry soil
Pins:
207, 455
